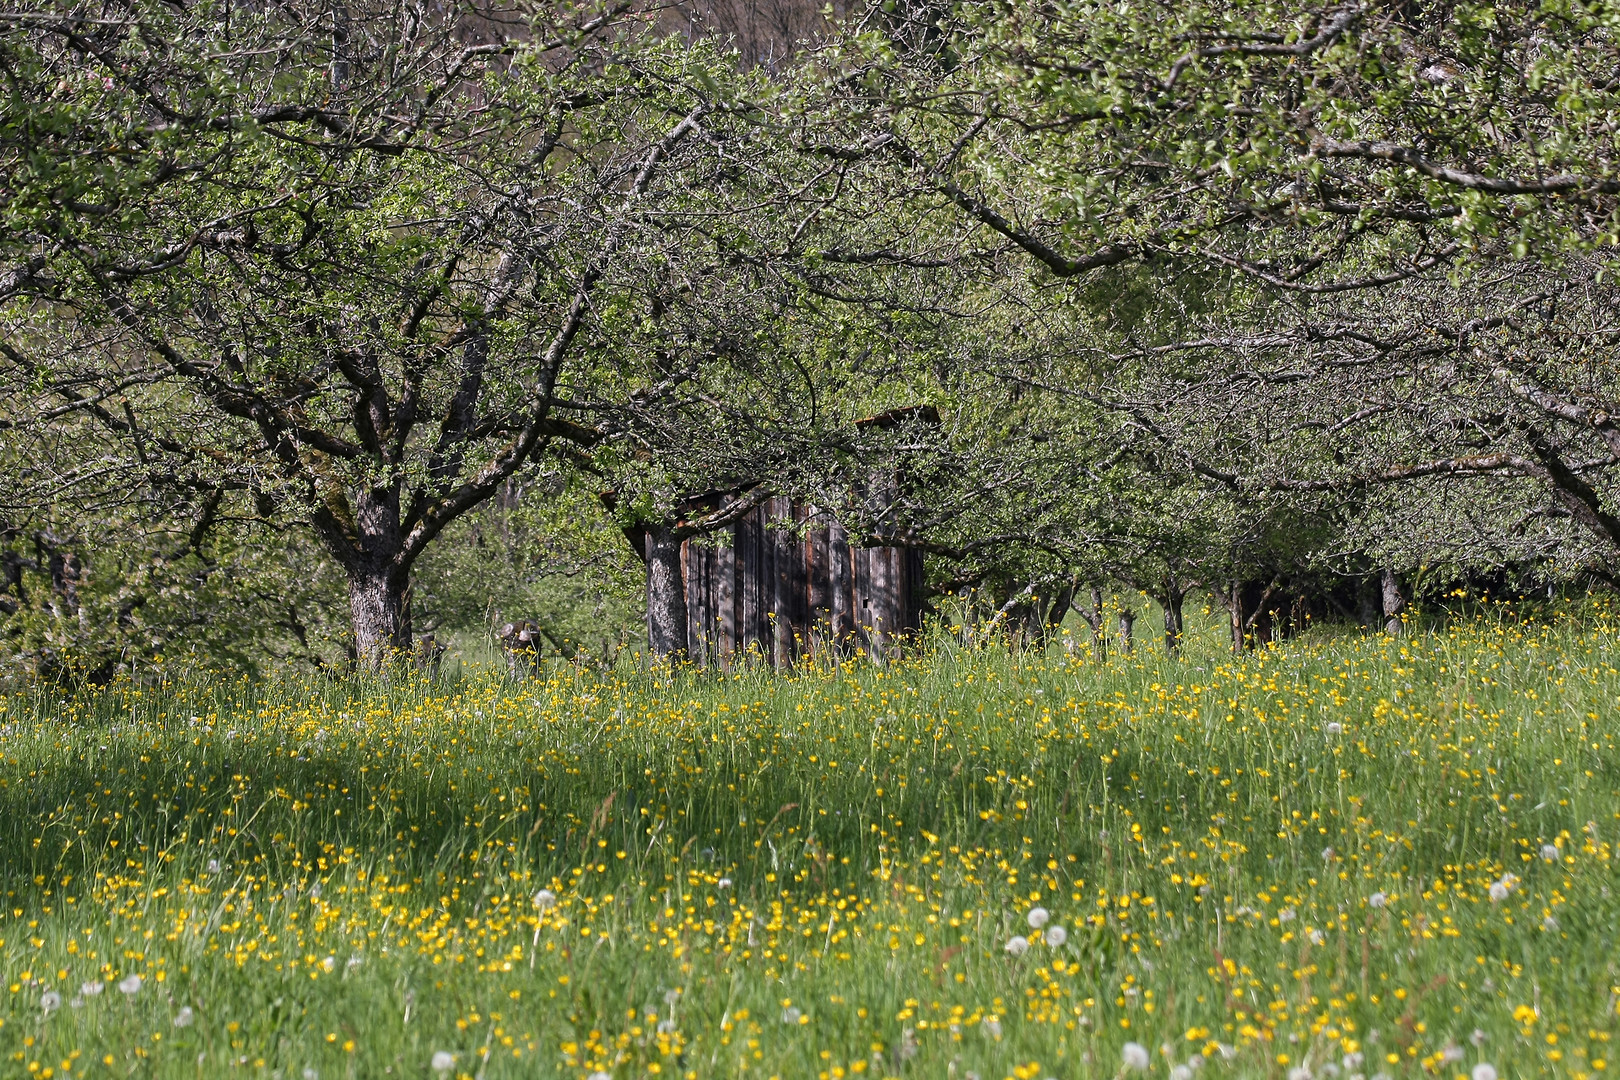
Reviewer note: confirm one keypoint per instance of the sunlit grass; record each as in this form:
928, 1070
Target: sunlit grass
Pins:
1358, 855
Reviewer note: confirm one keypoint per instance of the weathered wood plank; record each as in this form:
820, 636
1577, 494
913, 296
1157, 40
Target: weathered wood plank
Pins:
840, 584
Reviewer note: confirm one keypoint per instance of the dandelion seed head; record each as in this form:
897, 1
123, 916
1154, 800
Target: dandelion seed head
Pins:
443, 1061
1135, 1056
1484, 1071
130, 984
1017, 945
184, 1017
1038, 917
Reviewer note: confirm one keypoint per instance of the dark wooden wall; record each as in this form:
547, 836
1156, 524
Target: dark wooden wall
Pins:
789, 584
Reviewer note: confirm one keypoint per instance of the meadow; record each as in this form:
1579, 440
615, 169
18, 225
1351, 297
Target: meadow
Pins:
1346, 856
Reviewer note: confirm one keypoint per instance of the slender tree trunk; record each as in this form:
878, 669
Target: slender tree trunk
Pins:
1394, 602
380, 614
1234, 606
1127, 622
666, 595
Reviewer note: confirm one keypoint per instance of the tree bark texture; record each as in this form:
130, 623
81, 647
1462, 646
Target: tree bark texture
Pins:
666, 595
1127, 622
1394, 602
380, 610
1173, 623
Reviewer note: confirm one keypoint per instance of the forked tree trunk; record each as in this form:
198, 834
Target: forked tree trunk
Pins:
1093, 617
666, 595
380, 611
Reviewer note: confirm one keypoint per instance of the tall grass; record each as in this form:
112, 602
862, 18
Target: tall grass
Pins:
1352, 854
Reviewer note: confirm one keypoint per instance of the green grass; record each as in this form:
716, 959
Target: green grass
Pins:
818, 875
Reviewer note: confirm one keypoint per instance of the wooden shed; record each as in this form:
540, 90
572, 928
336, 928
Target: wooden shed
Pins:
784, 581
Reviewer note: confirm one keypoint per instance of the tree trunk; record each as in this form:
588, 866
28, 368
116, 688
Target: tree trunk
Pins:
1394, 602
1058, 611
666, 595
1127, 621
1093, 617
1234, 607
1173, 624
380, 614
